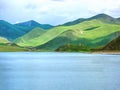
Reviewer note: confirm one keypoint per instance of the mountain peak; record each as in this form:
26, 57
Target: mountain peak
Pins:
102, 15
29, 23
34, 24
32, 21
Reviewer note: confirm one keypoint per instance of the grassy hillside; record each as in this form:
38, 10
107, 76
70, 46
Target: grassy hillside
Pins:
44, 38
31, 35
3, 40
89, 34
90, 38
7, 46
87, 45
75, 22
10, 48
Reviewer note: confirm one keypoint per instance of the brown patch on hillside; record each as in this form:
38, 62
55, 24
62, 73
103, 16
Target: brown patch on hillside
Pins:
113, 45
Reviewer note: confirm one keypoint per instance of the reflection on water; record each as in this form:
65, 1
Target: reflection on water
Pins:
59, 71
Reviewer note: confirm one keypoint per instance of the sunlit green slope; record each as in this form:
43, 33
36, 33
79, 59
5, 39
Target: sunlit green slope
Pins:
3, 40
91, 34
7, 46
36, 32
10, 48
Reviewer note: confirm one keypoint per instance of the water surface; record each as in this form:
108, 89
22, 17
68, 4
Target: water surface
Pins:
59, 71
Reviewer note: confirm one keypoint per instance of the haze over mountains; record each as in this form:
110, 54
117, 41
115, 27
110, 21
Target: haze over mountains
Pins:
81, 34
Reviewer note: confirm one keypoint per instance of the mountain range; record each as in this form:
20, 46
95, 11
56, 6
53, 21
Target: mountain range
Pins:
32, 24
84, 34
102, 17
13, 31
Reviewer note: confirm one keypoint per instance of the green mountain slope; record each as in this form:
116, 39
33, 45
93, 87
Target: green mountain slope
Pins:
7, 46
3, 40
49, 35
85, 38
10, 48
89, 34
31, 35
86, 44
75, 22
102, 17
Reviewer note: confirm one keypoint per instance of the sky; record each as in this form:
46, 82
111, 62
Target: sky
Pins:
55, 12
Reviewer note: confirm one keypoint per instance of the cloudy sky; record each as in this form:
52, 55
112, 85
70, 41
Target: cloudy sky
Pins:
55, 11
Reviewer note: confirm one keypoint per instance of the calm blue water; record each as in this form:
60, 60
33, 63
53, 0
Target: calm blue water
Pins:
59, 71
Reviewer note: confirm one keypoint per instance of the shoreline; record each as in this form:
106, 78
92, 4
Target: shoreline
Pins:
105, 52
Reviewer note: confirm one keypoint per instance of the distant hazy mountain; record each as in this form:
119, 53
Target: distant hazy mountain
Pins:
33, 24
9, 31
24, 29
102, 17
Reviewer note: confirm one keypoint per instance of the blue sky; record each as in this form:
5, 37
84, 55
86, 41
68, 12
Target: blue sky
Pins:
55, 11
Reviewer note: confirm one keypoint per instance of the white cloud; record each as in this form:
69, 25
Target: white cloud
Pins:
56, 11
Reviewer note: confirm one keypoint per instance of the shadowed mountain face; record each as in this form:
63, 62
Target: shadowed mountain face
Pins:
12, 32
113, 45
102, 17
9, 31
32, 24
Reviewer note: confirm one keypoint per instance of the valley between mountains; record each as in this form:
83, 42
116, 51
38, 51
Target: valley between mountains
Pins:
100, 32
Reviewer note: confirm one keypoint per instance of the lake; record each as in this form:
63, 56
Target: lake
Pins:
59, 71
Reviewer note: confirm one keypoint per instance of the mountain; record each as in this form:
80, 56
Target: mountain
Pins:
87, 35
31, 35
102, 17
33, 24
24, 29
7, 46
118, 19
9, 31
74, 22
105, 18
113, 45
